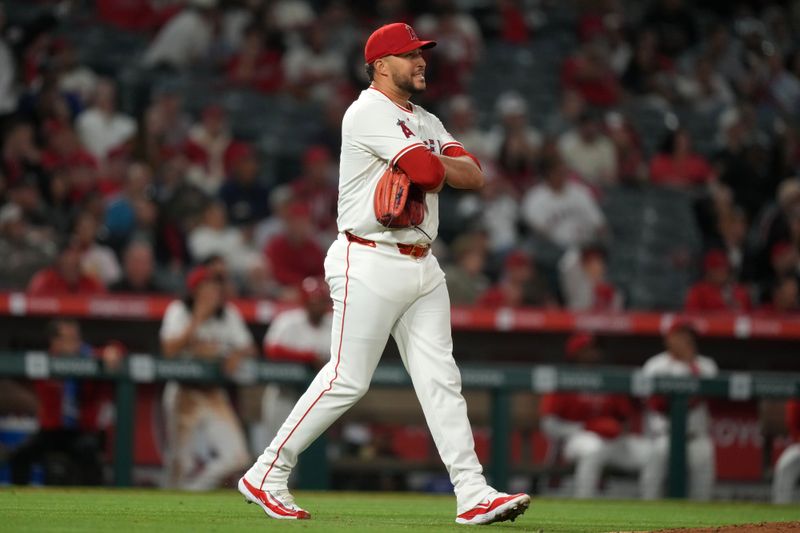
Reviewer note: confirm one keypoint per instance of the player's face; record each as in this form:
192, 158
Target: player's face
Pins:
408, 72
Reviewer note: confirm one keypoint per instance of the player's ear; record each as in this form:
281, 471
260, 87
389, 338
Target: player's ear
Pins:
381, 66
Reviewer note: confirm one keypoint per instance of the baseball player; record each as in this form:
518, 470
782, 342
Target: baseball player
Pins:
300, 335
592, 429
787, 469
681, 360
384, 281
205, 327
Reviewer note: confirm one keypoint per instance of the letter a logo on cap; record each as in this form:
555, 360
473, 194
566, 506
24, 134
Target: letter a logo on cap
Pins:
412, 33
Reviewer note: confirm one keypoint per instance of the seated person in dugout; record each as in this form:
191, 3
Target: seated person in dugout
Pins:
593, 430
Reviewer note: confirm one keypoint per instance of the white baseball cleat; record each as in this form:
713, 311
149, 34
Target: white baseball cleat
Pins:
497, 507
277, 504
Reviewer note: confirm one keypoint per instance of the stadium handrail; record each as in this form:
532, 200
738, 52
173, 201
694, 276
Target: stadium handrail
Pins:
259, 311
501, 381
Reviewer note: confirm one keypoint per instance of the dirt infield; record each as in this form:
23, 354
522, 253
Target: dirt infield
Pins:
762, 527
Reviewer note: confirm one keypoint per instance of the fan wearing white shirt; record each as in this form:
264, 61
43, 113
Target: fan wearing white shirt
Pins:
560, 210
102, 128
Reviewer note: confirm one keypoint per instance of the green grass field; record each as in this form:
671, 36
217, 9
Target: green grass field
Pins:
64, 510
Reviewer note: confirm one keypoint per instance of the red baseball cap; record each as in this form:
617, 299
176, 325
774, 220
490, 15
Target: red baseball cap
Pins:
682, 324
393, 39
197, 276
576, 343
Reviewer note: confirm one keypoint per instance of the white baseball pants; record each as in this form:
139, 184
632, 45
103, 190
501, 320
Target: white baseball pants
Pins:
787, 475
378, 292
700, 462
591, 453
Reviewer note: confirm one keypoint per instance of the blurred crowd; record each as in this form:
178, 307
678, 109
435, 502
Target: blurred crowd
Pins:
94, 199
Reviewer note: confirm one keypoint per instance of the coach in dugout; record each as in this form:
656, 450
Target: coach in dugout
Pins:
73, 417
680, 359
199, 416
592, 430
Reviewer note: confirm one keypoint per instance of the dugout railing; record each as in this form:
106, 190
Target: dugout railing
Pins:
501, 382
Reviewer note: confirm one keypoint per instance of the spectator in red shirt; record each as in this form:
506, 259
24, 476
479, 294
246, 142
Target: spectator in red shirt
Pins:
255, 65
676, 165
717, 291
520, 286
70, 421
65, 277
589, 73
294, 255
591, 430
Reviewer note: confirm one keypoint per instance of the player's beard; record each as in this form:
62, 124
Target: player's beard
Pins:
406, 84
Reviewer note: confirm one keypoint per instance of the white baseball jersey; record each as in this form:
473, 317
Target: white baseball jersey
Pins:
376, 133
228, 330
291, 329
569, 217
664, 364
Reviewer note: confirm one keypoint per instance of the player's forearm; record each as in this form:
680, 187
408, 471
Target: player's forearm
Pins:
462, 172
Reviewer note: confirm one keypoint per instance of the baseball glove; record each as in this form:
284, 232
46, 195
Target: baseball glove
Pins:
398, 203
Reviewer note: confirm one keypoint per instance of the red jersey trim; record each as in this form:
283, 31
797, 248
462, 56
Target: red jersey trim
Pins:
404, 151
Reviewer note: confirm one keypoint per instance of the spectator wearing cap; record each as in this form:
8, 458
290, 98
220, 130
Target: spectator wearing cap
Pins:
592, 431
717, 291
65, 276
560, 210
203, 326
681, 359
21, 251
514, 143
787, 468
138, 271
316, 188
246, 199
300, 335
589, 152
208, 149
214, 237
677, 165
186, 39
294, 254
520, 285
465, 278
584, 283
102, 128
